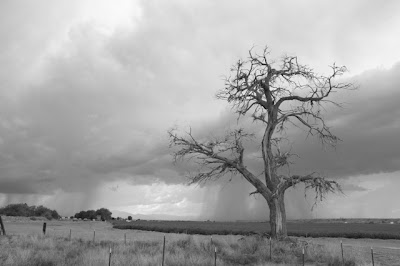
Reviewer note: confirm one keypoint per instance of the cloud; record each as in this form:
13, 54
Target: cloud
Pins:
81, 107
25, 186
369, 129
352, 187
367, 125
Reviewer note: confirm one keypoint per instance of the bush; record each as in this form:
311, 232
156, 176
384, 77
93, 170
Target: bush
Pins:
104, 214
26, 211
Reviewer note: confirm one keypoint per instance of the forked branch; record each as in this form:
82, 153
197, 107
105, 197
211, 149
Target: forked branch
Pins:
215, 158
318, 184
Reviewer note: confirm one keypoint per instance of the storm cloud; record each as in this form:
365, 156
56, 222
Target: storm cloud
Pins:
89, 89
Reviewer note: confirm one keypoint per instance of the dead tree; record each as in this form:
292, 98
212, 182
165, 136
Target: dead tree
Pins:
276, 94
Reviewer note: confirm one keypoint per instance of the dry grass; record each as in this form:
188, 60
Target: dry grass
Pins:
180, 250
24, 245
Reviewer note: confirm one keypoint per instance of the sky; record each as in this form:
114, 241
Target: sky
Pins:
89, 89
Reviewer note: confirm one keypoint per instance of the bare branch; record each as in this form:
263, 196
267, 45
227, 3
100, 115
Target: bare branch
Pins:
319, 87
254, 192
215, 158
277, 94
312, 121
256, 86
319, 184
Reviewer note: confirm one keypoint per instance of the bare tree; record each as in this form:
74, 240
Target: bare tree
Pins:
277, 94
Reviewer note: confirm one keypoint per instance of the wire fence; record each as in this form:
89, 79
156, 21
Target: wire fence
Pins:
69, 235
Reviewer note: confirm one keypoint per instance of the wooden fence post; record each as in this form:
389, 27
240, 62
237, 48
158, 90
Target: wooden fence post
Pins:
372, 255
109, 258
2, 226
125, 238
341, 247
163, 252
270, 249
44, 228
70, 233
94, 235
303, 256
215, 256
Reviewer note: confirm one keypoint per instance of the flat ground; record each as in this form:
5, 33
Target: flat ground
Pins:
386, 252
310, 228
85, 230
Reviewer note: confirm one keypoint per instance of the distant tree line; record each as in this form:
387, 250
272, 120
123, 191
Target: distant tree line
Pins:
22, 209
104, 213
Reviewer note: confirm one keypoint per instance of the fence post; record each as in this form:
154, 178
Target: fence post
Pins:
125, 238
163, 252
372, 255
70, 233
44, 228
215, 256
94, 235
303, 256
109, 258
341, 247
2, 226
270, 249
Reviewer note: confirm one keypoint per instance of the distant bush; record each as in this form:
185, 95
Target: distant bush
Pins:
104, 214
28, 211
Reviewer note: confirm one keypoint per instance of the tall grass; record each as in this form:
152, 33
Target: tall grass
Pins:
34, 250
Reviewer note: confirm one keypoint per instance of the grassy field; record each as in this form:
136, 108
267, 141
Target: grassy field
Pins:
298, 228
25, 244
29, 250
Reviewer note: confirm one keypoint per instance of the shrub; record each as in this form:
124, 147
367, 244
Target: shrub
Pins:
26, 211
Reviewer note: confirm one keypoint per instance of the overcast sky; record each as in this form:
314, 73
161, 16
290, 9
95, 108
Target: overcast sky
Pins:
89, 88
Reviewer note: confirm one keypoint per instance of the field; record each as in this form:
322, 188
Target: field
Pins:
26, 245
352, 229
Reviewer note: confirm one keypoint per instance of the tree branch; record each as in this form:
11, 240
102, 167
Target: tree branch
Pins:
215, 158
320, 87
319, 184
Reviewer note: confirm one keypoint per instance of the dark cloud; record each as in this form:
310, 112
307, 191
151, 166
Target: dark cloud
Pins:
26, 186
231, 201
80, 107
368, 126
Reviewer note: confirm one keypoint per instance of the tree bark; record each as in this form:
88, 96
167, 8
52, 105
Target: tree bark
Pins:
277, 216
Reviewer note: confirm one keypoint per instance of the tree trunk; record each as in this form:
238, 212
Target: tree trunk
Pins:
277, 216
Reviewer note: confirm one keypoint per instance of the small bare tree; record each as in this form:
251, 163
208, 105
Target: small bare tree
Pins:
276, 94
